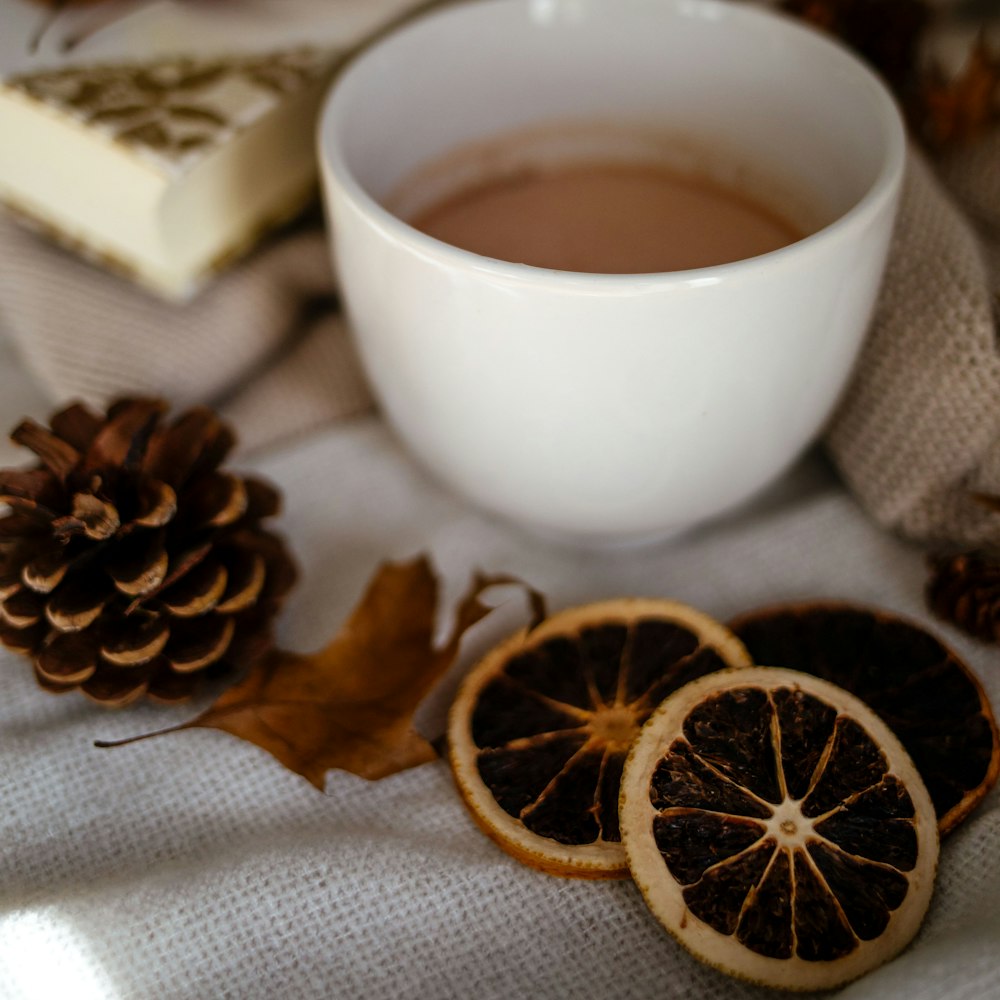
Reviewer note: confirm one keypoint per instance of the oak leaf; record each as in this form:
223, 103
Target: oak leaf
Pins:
350, 706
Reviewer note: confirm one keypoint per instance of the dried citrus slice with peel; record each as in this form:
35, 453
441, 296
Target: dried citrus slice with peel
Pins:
540, 729
927, 695
778, 829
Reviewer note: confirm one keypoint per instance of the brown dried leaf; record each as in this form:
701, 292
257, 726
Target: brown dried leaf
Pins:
350, 706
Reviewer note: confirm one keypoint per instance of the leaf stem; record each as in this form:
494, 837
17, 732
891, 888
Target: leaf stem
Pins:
104, 744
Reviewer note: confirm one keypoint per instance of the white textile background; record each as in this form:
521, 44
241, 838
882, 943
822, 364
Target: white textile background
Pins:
194, 866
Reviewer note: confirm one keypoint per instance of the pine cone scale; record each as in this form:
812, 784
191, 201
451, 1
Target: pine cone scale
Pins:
45, 572
139, 563
115, 690
196, 649
79, 601
10, 577
136, 643
245, 578
282, 573
24, 641
196, 441
167, 686
58, 455
198, 591
263, 500
157, 504
124, 435
965, 589
18, 525
96, 518
23, 609
215, 502
52, 687
70, 659
76, 425
30, 490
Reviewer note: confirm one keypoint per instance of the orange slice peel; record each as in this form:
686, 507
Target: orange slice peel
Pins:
540, 729
916, 684
778, 829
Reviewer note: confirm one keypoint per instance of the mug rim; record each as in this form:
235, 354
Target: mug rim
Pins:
882, 188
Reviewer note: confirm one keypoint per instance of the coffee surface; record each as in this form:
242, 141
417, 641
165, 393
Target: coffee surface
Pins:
613, 218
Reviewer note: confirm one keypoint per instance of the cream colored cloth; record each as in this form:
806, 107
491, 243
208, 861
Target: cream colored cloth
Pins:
265, 342
918, 431
195, 867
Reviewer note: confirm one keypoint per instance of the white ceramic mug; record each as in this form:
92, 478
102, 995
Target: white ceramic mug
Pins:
605, 408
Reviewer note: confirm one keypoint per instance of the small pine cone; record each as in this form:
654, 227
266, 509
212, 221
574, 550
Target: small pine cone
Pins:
131, 565
965, 590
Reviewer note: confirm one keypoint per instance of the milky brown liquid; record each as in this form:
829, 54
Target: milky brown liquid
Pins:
607, 219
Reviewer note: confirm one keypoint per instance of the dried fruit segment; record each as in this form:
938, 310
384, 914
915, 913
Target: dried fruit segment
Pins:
778, 829
541, 728
920, 688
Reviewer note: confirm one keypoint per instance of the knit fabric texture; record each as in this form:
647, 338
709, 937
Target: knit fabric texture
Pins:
194, 866
917, 433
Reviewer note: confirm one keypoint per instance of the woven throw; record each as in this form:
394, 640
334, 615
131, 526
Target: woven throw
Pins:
918, 431
195, 867
265, 342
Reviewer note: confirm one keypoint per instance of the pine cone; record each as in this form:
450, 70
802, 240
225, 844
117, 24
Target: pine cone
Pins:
129, 564
965, 590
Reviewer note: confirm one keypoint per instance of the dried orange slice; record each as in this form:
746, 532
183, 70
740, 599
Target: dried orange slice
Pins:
920, 688
539, 730
778, 829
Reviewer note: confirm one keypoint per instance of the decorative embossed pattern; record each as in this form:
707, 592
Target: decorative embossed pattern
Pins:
175, 109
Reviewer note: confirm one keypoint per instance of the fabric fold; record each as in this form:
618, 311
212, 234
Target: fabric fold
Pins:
916, 435
916, 432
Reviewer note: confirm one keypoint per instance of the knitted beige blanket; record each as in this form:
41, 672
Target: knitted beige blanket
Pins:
917, 434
